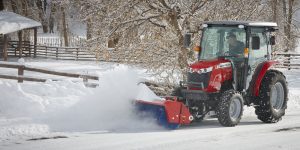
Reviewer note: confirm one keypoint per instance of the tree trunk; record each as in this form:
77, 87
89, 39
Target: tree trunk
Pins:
42, 15
26, 14
1, 5
288, 16
182, 55
284, 9
14, 6
89, 29
289, 23
274, 10
65, 28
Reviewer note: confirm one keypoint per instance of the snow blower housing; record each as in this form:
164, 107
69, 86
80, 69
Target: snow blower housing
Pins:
234, 69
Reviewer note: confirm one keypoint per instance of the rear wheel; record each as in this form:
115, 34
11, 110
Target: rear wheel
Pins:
272, 100
230, 108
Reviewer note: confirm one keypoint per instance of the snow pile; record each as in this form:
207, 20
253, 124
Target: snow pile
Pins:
68, 106
18, 129
33, 99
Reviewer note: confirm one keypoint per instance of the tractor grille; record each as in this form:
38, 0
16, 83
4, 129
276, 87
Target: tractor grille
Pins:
198, 80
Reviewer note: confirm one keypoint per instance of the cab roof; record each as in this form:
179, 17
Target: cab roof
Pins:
245, 23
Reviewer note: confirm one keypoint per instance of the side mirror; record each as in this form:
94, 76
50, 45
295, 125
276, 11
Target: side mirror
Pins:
255, 43
272, 40
187, 40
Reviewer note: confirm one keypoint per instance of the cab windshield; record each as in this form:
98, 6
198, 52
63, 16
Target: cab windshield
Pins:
222, 42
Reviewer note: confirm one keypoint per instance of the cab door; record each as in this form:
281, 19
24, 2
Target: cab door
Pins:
259, 49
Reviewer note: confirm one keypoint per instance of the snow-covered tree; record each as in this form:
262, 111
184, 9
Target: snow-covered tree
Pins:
151, 32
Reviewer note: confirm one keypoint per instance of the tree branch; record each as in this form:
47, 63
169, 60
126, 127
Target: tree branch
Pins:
130, 21
163, 2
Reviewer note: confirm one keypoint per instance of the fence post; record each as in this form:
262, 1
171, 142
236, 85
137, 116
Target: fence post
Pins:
289, 61
46, 51
15, 49
20, 73
20, 43
85, 79
35, 41
77, 53
5, 46
29, 49
56, 53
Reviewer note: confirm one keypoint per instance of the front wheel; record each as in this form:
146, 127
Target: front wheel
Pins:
272, 100
230, 108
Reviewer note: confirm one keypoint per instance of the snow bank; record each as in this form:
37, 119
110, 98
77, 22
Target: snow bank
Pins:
68, 106
18, 129
34, 99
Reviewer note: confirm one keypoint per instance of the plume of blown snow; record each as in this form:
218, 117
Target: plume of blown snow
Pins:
108, 107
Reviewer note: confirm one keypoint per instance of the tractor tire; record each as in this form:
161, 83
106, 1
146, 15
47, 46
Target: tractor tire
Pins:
273, 96
230, 108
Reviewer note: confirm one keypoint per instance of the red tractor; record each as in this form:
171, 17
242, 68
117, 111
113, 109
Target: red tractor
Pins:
234, 69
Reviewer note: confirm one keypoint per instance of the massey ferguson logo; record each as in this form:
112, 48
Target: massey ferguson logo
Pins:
224, 65
202, 70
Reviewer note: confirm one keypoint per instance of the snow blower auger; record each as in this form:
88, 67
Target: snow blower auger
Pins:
169, 113
234, 68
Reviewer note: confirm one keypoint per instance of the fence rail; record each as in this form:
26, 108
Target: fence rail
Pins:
21, 68
62, 53
58, 41
65, 53
54, 39
288, 60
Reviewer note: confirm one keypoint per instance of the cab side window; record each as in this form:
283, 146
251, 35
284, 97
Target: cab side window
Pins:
262, 52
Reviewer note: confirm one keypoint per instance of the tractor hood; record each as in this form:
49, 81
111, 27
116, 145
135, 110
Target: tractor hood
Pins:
208, 75
210, 64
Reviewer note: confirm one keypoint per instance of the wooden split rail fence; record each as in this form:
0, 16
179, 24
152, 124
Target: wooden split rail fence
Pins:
21, 68
59, 53
288, 60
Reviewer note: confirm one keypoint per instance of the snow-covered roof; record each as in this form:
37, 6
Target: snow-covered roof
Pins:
245, 23
11, 22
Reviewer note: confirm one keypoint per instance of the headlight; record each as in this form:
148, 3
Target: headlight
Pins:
224, 65
209, 69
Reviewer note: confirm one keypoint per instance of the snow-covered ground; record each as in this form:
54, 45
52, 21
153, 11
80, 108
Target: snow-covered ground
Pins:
66, 115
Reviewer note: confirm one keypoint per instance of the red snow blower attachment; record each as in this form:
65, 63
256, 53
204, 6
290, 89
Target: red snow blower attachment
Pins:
169, 113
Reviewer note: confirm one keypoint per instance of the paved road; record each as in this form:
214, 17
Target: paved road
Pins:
249, 134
